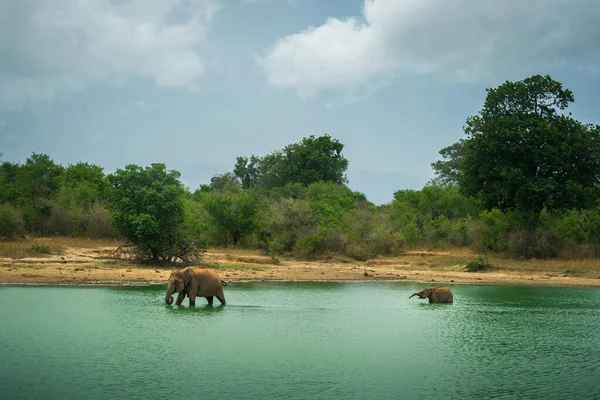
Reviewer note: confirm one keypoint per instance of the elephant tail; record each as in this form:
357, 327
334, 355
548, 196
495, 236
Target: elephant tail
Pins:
223, 282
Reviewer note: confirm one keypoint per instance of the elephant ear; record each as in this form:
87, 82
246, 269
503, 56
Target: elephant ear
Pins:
187, 276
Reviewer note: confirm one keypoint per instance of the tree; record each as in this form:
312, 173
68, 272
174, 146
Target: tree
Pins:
247, 171
238, 213
39, 177
448, 170
315, 159
312, 160
84, 172
37, 181
224, 181
522, 153
148, 209
9, 181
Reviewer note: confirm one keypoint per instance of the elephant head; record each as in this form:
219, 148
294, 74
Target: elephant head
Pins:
177, 282
423, 293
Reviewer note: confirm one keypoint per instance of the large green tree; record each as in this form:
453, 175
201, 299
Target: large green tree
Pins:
311, 160
37, 182
315, 159
524, 153
148, 208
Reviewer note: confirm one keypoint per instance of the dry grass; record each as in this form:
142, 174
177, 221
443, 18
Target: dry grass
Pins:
250, 259
418, 260
233, 266
455, 260
54, 245
237, 252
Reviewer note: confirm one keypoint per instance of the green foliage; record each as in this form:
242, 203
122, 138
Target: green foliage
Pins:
492, 230
437, 215
478, 264
9, 182
11, 225
37, 181
247, 171
39, 178
148, 209
40, 249
312, 160
238, 214
197, 222
84, 174
226, 181
438, 200
449, 169
523, 153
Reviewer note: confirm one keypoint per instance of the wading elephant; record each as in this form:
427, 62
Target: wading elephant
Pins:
195, 282
438, 294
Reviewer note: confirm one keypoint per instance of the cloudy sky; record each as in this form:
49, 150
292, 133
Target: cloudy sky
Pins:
196, 83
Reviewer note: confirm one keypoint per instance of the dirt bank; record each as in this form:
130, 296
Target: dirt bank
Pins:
93, 265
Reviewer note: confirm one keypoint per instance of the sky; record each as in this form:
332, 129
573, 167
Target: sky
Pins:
194, 84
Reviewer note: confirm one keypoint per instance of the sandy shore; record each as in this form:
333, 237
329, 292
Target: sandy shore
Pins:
92, 266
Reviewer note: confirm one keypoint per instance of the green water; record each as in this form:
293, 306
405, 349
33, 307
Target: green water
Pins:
300, 341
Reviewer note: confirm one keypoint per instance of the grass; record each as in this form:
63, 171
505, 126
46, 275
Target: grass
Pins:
23, 266
446, 259
456, 259
238, 252
50, 245
40, 249
231, 266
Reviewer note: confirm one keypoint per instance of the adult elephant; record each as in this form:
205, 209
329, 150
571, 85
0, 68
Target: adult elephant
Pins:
438, 294
195, 282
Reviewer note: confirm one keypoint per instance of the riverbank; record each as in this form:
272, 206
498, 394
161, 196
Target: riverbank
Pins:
70, 261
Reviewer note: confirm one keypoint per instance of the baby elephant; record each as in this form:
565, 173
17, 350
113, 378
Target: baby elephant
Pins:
438, 294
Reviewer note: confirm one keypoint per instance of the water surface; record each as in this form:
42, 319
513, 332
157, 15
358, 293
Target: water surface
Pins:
321, 340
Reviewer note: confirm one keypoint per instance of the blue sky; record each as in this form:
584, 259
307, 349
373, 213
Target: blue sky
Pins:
196, 83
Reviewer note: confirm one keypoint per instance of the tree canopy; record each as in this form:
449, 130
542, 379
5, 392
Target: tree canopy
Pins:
312, 160
522, 152
148, 208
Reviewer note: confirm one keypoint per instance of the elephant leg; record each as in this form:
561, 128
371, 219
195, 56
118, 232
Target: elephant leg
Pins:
221, 295
192, 300
210, 300
180, 298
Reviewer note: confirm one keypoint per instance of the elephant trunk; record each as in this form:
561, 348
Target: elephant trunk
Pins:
169, 296
415, 294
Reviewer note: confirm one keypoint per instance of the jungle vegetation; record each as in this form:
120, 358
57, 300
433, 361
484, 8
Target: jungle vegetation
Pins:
523, 182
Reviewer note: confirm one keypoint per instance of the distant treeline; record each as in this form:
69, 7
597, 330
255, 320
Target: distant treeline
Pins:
523, 182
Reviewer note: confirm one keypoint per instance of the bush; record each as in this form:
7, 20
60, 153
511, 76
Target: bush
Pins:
40, 249
491, 233
542, 242
478, 264
11, 224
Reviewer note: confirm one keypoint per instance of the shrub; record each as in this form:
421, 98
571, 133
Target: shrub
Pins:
478, 264
40, 248
11, 224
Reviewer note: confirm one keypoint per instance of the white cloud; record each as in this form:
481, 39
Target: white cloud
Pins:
52, 48
458, 40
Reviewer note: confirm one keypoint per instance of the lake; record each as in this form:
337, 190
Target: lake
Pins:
309, 340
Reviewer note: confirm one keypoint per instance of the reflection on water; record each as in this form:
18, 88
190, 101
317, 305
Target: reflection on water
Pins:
319, 340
